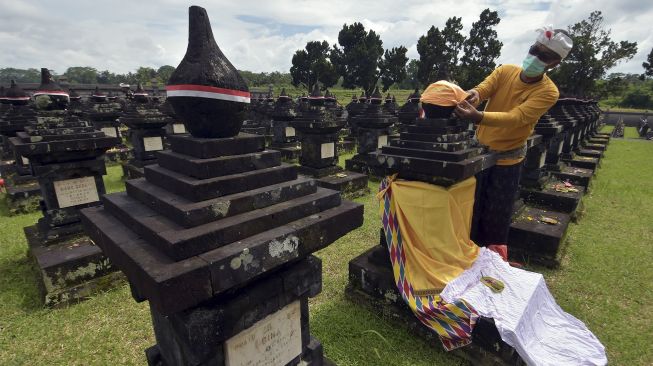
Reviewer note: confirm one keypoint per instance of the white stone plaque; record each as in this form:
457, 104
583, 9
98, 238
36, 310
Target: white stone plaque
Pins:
24, 160
78, 191
154, 143
382, 141
290, 131
109, 131
562, 144
274, 340
328, 150
542, 159
178, 128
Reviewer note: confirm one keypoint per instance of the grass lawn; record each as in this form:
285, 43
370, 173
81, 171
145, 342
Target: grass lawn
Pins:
606, 281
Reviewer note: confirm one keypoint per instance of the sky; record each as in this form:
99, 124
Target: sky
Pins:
262, 36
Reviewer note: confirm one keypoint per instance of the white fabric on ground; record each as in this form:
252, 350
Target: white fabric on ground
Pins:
526, 314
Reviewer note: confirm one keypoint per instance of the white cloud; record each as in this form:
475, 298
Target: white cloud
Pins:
262, 35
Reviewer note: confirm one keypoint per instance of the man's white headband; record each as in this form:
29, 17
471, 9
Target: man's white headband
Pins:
557, 42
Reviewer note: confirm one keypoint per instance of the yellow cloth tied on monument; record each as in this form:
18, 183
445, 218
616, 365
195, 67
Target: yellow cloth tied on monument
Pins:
443, 93
435, 223
426, 230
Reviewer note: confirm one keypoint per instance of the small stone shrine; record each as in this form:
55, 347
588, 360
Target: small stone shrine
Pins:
318, 129
373, 128
23, 191
146, 132
284, 136
218, 236
438, 150
409, 112
65, 155
76, 106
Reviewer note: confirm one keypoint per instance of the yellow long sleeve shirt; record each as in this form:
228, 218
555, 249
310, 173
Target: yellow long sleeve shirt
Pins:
513, 108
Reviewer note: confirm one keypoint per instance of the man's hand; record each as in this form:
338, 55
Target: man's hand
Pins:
474, 98
466, 111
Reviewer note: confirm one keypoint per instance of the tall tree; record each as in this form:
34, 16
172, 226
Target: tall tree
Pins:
439, 50
145, 74
311, 65
593, 54
20, 75
81, 75
357, 58
393, 66
480, 49
163, 73
648, 64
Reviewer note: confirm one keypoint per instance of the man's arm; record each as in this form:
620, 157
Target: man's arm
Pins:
488, 87
531, 110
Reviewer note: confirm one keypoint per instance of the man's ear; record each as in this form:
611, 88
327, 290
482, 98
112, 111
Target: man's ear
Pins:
552, 65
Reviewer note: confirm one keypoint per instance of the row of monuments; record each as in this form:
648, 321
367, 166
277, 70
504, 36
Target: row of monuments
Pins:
217, 228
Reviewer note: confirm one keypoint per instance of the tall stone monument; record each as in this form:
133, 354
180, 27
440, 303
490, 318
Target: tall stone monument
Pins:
218, 238
65, 155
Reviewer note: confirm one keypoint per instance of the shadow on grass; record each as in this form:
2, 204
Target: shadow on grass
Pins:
19, 285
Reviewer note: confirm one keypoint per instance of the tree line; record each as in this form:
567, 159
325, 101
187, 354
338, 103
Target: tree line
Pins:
358, 60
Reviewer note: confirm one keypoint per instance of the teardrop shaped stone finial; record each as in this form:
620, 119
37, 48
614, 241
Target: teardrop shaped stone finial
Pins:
206, 91
49, 89
15, 95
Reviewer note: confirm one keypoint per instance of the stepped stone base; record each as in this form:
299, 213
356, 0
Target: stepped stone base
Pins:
531, 240
70, 269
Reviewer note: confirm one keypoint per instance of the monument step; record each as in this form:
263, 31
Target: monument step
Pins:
188, 213
583, 162
436, 146
219, 166
459, 155
590, 153
454, 137
349, 184
531, 239
65, 268
203, 189
591, 146
435, 171
202, 148
173, 286
180, 243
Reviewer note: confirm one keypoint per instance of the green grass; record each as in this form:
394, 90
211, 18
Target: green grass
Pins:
631, 132
606, 281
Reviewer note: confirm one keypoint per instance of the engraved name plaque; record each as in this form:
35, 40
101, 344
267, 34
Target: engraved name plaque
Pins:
178, 128
109, 131
153, 143
78, 191
290, 131
328, 150
273, 340
382, 141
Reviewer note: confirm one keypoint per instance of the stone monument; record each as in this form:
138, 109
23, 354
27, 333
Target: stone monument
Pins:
65, 155
373, 128
284, 136
318, 128
219, 238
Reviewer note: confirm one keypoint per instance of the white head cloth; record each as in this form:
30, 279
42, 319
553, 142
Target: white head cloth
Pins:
557, 42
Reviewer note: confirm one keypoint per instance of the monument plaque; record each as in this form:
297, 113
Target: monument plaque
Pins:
290, 131
24, 160
78, 191
273, 340
178, 128
382, 141
154, 143
109, 131
328, 150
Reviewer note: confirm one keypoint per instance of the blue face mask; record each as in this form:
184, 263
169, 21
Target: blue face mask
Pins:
533, 66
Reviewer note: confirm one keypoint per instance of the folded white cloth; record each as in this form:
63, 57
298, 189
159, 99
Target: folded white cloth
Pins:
526, 314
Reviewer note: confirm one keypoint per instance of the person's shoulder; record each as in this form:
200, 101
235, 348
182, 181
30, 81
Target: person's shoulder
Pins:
550, 87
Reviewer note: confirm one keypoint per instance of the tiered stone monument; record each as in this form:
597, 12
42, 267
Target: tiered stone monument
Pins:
262, 123
23, 191
65, 155
174, 127
146, 132
284, 136
409, 112
103, 113
436, 150
390, 104
76, 106
318, 129
578, 157
219, 237
373, 128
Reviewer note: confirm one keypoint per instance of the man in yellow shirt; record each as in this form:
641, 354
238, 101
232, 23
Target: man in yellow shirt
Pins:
517, 97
